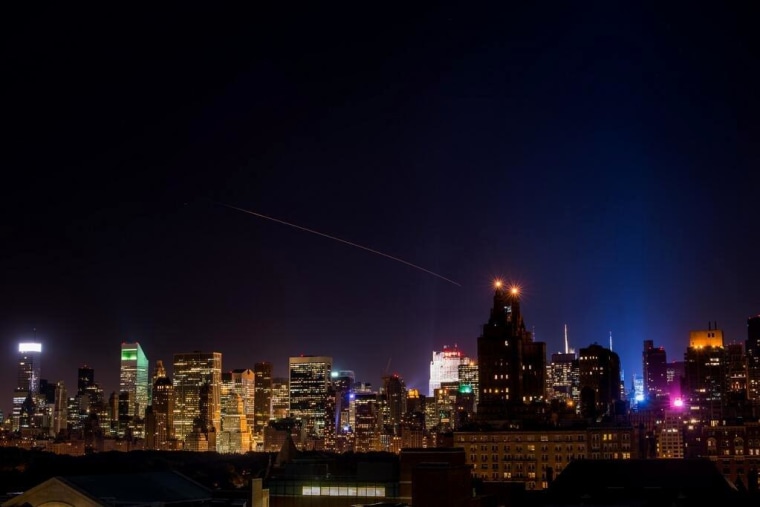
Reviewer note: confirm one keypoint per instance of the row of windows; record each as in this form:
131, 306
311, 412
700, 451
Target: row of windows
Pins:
524, 457
578, 437
362, 491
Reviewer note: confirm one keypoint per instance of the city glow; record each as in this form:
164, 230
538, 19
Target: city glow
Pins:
30, 347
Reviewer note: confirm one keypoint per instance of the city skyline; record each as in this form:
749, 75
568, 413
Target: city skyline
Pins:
281, 370
601, 156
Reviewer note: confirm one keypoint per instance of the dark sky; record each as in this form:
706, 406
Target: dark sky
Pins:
603, 156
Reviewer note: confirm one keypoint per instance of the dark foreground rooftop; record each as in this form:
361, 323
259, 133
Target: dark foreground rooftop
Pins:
648, 482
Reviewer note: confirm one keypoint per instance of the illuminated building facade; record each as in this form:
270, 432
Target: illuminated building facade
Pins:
563, 377
60, 411
393, 402
444, 367
368, 419
280, 398
535, 457
243, 382
262, 396
670, 441
654, 366
197, 392
160, 434
469, 381
309, 382
705, 369
133, 379
235, 434
27, 383
343, 386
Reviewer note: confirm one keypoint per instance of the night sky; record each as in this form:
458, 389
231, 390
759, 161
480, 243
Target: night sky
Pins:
602, 156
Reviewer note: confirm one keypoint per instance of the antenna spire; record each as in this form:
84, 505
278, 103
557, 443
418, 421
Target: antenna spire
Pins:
567, 350
610, 341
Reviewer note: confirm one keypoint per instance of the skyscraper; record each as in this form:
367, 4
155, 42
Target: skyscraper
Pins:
752, 349
511, 366
262, 396
343, 386
133, 379
564, 378
60, 414
243, 383
160, 434
192, 371
705, 369
444, 367
394, 402
599, 372
27, 379
235, 433
280, 398
654, 365
309, 391
85, 379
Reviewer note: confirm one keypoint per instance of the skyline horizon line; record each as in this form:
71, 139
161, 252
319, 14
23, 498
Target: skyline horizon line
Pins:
712, 325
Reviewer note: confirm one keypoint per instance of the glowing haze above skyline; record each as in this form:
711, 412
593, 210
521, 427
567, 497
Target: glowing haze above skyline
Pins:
603, 157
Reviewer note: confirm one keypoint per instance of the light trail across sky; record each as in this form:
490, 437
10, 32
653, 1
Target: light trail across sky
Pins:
283, 222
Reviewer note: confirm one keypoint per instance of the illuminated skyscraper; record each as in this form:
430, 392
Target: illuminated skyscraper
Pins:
393, 399
27, 379
243, 383
563, 378
444, 367
235, 434
469, 381
343, 386
193, 371
60, 414
309, 392
705, 373
133, 379
367, 419
280, 398
160, 433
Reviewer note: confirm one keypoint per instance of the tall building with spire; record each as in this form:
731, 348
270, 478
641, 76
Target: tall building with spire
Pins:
511, 366
133, 379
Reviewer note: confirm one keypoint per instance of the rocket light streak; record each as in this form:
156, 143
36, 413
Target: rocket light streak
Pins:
402, 261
